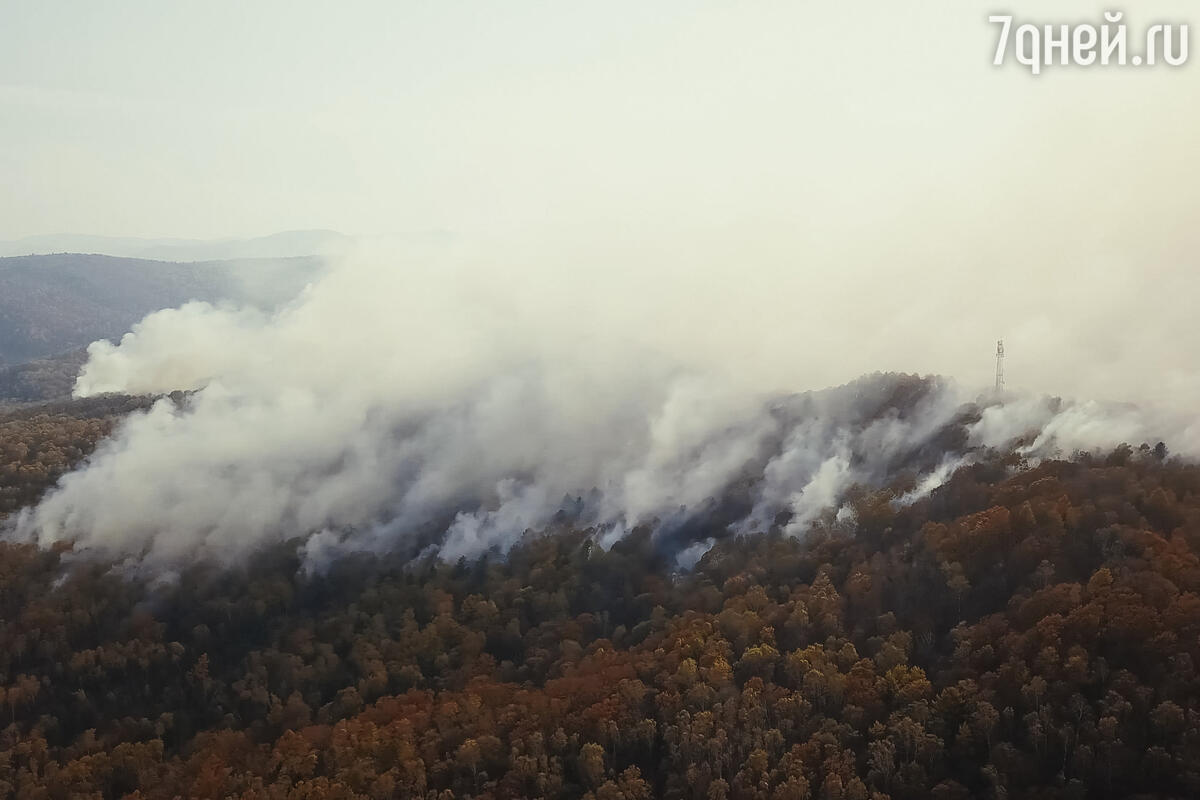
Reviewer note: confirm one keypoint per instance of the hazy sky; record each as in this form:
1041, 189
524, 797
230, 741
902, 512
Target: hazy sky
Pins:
829, 166
229, 118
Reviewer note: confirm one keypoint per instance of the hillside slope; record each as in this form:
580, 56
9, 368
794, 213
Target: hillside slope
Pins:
55, 303
42, 379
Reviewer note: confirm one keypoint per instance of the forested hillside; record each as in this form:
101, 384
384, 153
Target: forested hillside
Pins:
1026, 631
39, 442
43, 379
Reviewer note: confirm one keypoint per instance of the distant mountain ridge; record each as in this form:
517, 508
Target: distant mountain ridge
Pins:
59, 293
288, 244
51, 304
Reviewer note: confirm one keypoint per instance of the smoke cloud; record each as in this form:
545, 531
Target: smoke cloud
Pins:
397, 405
659, 248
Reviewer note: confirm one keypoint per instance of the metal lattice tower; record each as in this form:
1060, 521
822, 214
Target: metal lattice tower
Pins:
999, 366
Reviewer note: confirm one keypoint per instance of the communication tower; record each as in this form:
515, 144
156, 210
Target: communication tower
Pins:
1000, 366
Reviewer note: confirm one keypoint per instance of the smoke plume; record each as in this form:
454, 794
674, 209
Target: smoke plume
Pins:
396, 406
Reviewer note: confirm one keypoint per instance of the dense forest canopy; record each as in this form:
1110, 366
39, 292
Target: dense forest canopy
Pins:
1026, 630
39, 442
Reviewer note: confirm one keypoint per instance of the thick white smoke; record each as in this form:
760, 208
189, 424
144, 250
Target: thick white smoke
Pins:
392, 408
699, 217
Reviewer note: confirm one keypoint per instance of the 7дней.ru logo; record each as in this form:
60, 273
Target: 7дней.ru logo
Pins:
1040, 46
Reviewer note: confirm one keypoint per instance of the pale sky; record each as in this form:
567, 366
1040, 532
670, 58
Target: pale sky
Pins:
222, 119
857, 164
